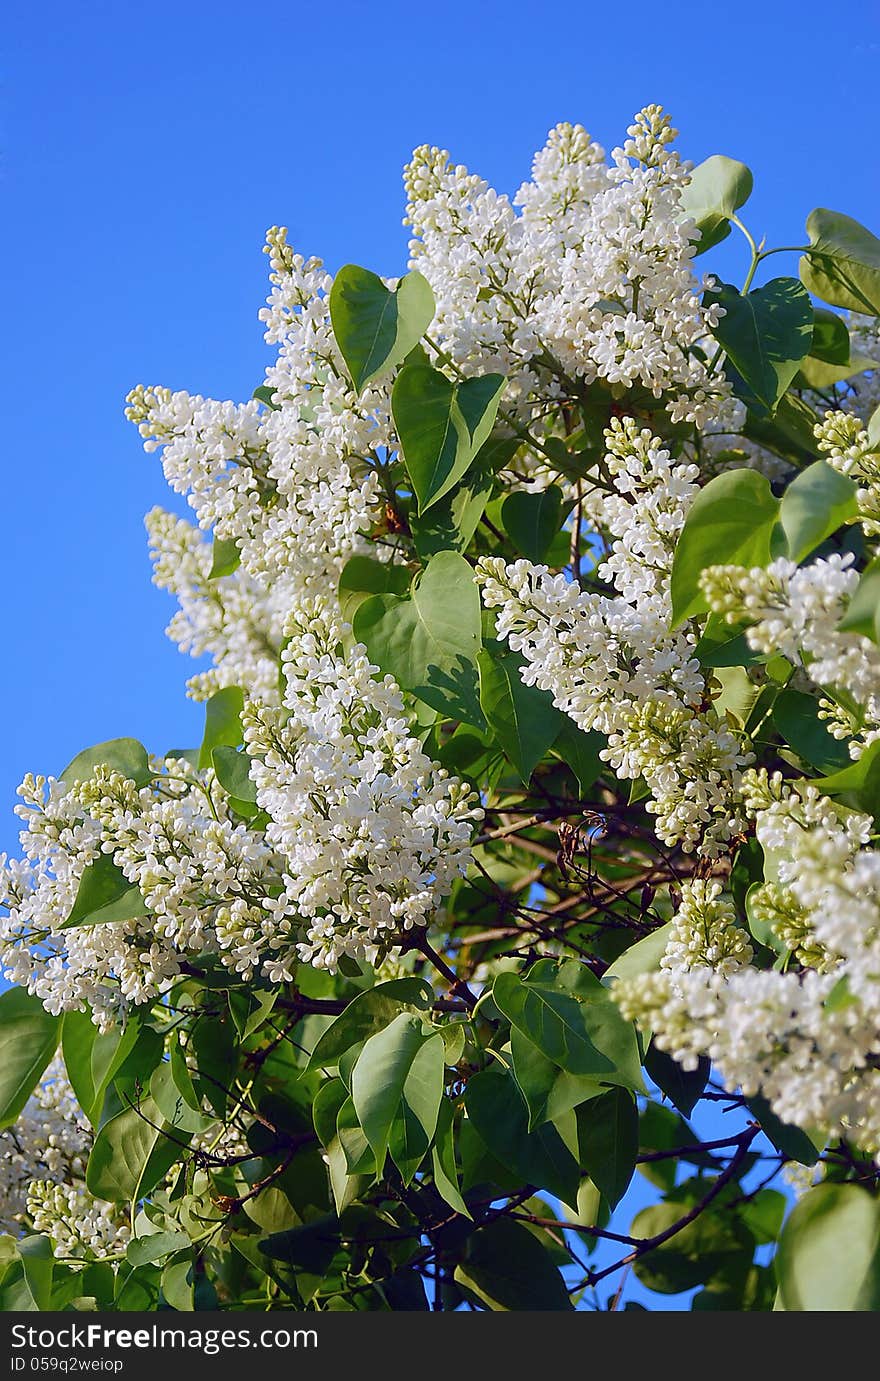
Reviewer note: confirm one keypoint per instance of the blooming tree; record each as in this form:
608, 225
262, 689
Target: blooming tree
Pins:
536, 805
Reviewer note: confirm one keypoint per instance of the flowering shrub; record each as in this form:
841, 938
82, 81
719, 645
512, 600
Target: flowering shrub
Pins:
536, 805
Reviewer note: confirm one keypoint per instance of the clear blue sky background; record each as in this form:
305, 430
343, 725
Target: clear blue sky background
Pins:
147, 148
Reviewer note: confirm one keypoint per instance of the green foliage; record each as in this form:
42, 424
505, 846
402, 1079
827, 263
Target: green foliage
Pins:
842, 265
608, 1142
540, 1157
817, 502
564, 1010
429, 640
718, 188
829, 1252
396, 1087
522, 718
441, 426
863, 614
105, 894
765, 335
376, 328
222, 723
507, 1268
123, 755
225, 557
28, 1037
531, 521
731, 522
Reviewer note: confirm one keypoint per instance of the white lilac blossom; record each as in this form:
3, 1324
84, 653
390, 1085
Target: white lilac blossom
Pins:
705, 932
594, 272
366, 836
176, 839
586, 276
610, 662
42, 1172
79, 1225
50, 1140
806, 1040
294, 486
796, 612
372, 832
846, 445
233, 619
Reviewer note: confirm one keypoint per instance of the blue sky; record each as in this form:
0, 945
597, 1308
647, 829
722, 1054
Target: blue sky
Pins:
147, 148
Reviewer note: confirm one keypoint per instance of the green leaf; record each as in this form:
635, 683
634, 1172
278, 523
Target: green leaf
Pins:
683, 1087
131, 1155
580, 750
359, 1158
222, 722
376, 328
249, 1008
28, 1037
857, 785
765, 334
718, 187
156, 1247
713, 1241
792, 1141
608, 1141
763, 1214
830, 341
310, 1247
178, 1282
123, 755
863, 613
507, 1268
540, 1157
550, 1092
39, 1266
737, 696
531, 521
817, 502
367, 1014
441, 426
92, 1058
828, 1259
225, 557
796, 717
400, 1063
105, 894
429, 641
723, 644
522, 718
407, 1142
443, 1161
842, 265
572, 1020
451, 523
330, 1099
729, 523
788, 433
642, 957
233, 773
362, 577
816, 374
180, 1118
